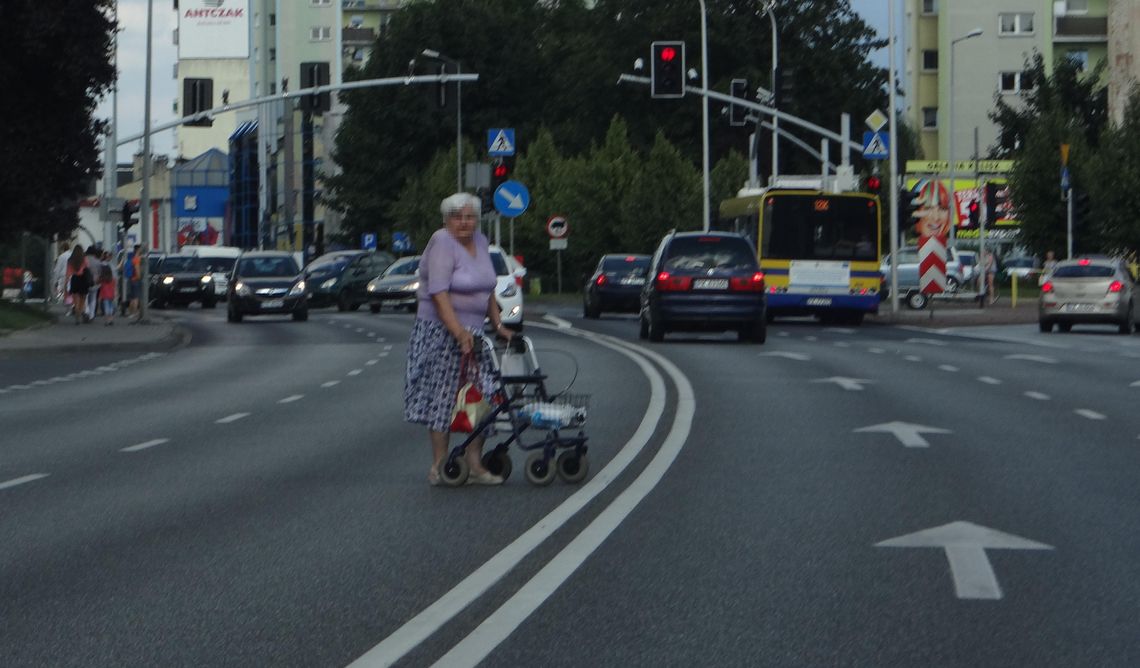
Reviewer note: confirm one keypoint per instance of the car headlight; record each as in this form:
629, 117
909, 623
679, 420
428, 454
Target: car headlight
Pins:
298, 289
510, 291
371, 286
327, 285
413, 286
167, 280
515, 311
207, 278
242, 289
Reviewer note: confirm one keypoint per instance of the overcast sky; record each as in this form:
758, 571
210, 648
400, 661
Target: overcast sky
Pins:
132, 67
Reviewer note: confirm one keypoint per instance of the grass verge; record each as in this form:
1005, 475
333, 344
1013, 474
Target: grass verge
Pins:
15, 316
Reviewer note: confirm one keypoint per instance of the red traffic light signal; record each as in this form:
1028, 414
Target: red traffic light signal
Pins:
667, 69
668, 54
500, 172
874, 183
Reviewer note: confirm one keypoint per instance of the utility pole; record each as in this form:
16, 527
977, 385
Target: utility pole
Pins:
144, 200
289, 169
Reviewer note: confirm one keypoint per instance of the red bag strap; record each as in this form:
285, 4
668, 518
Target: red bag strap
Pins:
468, 368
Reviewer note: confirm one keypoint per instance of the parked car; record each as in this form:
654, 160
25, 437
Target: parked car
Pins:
267, 282
396, 286
342, 277
1089, 290
615, 285
508, 286
702, 281
182, 280
968, 261
1021, 267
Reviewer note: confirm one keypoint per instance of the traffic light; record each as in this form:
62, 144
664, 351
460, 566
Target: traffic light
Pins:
974, 209
313, 75
784, 88
667, 69
197, 96
873, 184
737, 88
501, 170
129, 210
908, 206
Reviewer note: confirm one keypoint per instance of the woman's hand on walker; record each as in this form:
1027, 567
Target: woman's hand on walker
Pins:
466, 341
504, 332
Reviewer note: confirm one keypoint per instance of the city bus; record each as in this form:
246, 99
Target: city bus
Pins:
819, 251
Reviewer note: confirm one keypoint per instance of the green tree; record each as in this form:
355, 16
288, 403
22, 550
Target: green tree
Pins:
55, 65
1109, 176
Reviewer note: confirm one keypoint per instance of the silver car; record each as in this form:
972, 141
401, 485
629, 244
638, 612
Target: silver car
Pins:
1089, 290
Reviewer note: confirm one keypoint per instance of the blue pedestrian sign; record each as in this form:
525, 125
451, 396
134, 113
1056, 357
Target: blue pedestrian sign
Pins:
876, 145
511, 198
368, 241
500, 141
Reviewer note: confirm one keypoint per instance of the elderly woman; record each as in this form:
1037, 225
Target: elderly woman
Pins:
456, 293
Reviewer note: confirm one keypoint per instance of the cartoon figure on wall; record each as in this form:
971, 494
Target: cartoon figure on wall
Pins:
197, 234
933, 212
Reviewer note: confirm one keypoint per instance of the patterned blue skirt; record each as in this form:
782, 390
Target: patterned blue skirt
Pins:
431, 380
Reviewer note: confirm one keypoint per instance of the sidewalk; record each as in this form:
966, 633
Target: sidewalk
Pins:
63, 335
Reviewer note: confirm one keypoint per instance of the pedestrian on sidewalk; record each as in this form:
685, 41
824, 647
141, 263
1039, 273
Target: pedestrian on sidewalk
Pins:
107, 292
59, 275
95, 265
990, 264
134, 283
78, 282
1047, 267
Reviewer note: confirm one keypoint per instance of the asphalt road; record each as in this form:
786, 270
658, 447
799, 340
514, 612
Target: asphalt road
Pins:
255, 498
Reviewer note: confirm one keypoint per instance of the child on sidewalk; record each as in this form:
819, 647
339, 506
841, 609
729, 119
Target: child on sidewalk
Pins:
107, 292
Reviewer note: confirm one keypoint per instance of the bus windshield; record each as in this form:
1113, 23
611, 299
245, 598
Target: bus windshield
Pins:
819, 227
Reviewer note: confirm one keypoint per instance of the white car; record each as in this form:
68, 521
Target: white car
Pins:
508, 287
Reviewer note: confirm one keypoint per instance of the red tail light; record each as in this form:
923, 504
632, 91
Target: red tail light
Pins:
601, 280
1047, 286
668, 283
753, 283
1115, 286
518, 280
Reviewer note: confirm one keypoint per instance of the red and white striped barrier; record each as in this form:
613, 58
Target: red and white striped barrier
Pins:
932, 264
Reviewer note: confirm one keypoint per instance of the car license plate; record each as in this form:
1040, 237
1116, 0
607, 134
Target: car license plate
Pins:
1080, 308
187, 289
710, 284
819, 301
273, 303
633, 281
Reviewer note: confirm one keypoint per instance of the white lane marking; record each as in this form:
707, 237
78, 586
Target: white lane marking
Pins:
1039, 396
877, 351
19, 387
1134, 384
811, 338
1043, 359
330, 383
20, 481
348, 326
231, 418
1090, 414
146, 444
371, 333
290, 399
850, 384
948, 367
913, 358
388, 347
928, 342
383, 354
842, 344
432, 618
557, 322
381, 339
359, 330
782, 334
989, 380
371, 362
500, 624
839, 330
355, 372
799, 357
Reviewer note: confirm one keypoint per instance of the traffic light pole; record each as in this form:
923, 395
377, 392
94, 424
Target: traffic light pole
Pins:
144, 199
1069, 223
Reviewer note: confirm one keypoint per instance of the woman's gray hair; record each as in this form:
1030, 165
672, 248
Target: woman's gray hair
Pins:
458, 202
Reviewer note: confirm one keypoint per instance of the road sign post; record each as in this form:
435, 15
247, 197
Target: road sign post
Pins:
558, 229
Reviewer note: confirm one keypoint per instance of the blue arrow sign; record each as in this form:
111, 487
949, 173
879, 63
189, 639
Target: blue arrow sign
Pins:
876, 145
1064, 178
511, 198
501, 141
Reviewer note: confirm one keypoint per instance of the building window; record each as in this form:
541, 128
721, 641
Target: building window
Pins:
1077, 7
321, 3
273, 54
930, 59
272, 19
929, 118
1015, 24
272, 87
1010, 83
1080, 57
929, 6
356, 21
320, 34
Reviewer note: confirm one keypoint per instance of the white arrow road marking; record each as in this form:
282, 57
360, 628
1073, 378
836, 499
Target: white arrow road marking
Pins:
1136, 384
1040, 396
927, 342
1043, 359
557, 322
290, 399
330, 383
145, 445
800, 357
21, 481
851, 384
231, 418
989, 380
1090, 414
907, 433
965, 544
948, 367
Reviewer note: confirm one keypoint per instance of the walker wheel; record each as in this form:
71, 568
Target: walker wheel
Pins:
572, 467
498, 463
453, 471
538, 470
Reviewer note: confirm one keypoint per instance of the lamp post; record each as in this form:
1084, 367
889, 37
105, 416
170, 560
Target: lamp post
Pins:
769, 9
144, 197
705, 113
432, 53
976, 32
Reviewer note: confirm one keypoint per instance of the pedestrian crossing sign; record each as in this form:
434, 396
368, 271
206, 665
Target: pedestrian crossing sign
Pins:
500, 141
876, 145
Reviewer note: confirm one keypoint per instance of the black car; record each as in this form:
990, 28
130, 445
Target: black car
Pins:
267, 282
704, 281
342, 277
616, 285
396, 286
182, 280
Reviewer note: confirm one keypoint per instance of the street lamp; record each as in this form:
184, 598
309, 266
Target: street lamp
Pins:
976, 32
705, 113
436, 55
769, 8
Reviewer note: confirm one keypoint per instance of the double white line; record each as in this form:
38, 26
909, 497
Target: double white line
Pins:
501, 623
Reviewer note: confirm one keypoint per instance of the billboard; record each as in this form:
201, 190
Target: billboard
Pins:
213, 29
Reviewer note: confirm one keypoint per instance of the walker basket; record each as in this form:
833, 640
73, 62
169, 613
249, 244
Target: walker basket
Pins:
560, 412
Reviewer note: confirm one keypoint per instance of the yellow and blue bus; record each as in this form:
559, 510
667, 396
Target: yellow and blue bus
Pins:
819, 251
